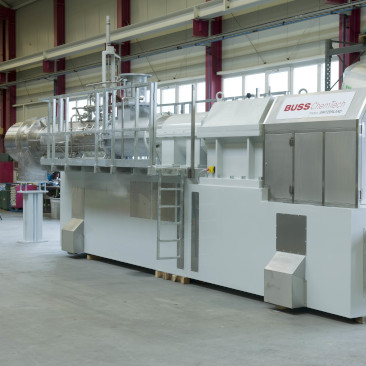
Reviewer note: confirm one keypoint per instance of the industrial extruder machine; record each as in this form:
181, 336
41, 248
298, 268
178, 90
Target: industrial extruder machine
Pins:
261, 195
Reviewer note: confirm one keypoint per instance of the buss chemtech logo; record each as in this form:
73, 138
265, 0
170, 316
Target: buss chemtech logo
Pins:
333, 105
297, 107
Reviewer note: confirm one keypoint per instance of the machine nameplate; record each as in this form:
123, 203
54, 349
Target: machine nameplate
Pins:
315, 106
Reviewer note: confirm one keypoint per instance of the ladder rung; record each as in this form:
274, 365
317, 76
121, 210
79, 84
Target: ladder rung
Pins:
168, 240
169, 222
171, 189
160, 258
170, 206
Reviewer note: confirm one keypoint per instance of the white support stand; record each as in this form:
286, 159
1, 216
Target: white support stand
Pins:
32, 215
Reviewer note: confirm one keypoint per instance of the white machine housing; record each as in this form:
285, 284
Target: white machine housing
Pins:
282, 216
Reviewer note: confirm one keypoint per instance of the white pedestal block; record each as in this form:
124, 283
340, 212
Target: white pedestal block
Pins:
32, 216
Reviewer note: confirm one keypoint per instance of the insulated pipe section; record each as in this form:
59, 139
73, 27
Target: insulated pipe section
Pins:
108, 31
24, 138
30, 139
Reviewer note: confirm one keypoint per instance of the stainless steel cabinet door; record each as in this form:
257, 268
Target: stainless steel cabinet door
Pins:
340, 180
278, 166
308, 176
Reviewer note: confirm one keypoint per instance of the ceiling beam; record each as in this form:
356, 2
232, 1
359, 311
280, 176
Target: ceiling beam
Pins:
3, 3
25, 3
177, 19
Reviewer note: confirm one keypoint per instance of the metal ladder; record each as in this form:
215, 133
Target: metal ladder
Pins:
178, 207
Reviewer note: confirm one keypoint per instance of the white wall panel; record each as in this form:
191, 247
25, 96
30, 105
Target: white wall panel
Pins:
142, 10
79, 81
173, 65
363, 19
299, 40
34, 28
32, 92
86, 18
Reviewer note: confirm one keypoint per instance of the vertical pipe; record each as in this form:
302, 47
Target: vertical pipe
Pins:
67, 117
54, 117
152, 147
113, 140
61, 115
49, 129
158, 218
193, 130
108, 31
122, 128
137, 116
96, 141
104, 69
105, 110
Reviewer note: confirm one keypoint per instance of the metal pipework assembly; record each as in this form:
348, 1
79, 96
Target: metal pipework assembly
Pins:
112, 126
132, 120
24, 143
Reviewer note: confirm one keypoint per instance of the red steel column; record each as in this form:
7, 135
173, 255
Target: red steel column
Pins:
124, 19
59, 39
349, 29
7, 96
213, 63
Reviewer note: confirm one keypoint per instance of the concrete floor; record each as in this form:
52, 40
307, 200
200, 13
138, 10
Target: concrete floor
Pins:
61, 310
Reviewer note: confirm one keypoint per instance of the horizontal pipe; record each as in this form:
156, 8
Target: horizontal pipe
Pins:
207, 10
205, 41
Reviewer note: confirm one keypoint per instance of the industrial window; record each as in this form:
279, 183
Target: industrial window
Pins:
305, 77
72, 111
233, 87
286, 79
185, 95
168, 97
201, 95
180, 95
254, 82
278, 81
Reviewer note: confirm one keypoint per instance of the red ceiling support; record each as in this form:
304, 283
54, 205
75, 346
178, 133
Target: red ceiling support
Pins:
213, 63
59, 39
349, 30
7, 52
124, 19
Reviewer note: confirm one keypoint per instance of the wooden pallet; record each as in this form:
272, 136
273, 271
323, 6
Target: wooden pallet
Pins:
91, 257
158, 274
172, 277
362, 38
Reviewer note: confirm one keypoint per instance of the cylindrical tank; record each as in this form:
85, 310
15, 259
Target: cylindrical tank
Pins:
126, 118
25, 138
30, 137
355, 76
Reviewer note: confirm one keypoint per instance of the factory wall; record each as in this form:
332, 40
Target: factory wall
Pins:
86, 18
34, 28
